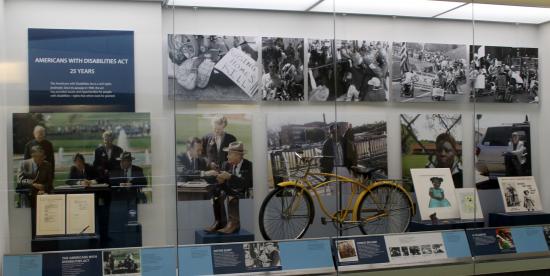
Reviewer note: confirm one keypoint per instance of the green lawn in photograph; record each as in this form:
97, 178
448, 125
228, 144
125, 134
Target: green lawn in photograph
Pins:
89, 145
189, 125
412, 161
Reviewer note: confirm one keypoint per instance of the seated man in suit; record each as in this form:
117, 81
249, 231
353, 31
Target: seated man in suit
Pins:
127, 175
34, 174
233, 182
81, 173
190, 165
106, 157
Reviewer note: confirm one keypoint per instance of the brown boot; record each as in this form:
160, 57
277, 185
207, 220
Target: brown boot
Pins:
219, 215
234, 224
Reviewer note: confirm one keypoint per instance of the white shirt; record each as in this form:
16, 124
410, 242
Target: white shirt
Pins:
237, 169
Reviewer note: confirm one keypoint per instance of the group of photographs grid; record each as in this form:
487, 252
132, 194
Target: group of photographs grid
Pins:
246, 68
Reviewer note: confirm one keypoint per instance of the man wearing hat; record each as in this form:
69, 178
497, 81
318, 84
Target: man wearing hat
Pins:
233, 181
105, 157
127, 175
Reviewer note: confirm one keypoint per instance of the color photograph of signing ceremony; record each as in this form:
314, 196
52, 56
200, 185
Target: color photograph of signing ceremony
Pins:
63, 151
213, 156
355, 140
504, 74
429, 72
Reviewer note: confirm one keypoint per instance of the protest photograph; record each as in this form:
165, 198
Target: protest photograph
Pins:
361, 74
429, 72
504, 74
213, 68
283, 69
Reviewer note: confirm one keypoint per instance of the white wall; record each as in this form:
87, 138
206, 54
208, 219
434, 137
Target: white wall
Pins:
144, 18
263, 23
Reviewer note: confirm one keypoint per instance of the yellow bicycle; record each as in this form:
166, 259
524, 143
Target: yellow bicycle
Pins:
375, 206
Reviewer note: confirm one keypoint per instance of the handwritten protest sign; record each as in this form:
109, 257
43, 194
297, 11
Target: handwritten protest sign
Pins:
241, 69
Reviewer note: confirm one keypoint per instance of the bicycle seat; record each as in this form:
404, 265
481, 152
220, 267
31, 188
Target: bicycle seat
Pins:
363, 171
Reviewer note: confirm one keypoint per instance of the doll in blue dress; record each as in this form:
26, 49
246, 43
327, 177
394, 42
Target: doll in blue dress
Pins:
437, 195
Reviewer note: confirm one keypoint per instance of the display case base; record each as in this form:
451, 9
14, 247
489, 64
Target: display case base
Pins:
131, 237
58, 243
418, 226
202, 237
516, 219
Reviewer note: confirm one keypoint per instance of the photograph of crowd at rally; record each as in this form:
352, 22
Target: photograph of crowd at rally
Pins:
283, 69
429, 72
504, 74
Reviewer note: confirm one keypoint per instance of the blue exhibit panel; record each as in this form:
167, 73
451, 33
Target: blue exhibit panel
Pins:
492, 241
23, 265
72, 69
72, 263
158, 261
195, 260
306, 254
529, 239
456, 244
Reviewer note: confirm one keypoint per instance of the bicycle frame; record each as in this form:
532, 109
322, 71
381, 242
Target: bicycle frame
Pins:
358, 189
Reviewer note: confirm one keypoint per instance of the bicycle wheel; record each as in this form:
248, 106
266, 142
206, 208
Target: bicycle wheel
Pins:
385, 208
286, 213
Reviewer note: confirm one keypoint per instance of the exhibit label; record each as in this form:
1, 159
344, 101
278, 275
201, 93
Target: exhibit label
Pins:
73, 70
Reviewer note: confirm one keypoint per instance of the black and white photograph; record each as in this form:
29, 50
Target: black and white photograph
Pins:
429, 72
395, 252
213, 68
426, 249
504, 74
261, 255
312, 134
362, 70
520, 194
347, 252
320, 70
283, 69
438, 248
503, 147
122, 262
415, 250
405, 251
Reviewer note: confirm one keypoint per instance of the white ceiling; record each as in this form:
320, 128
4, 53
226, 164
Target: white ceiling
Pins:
411, 8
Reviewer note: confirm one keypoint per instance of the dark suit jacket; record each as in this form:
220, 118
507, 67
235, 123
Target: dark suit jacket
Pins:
242, 182
47, 146
210, 148
349, 153
76, 175
186, 170
103, 164
26, 177
138, 179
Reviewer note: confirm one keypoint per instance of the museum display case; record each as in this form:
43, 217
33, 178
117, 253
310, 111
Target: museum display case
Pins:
274, 137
